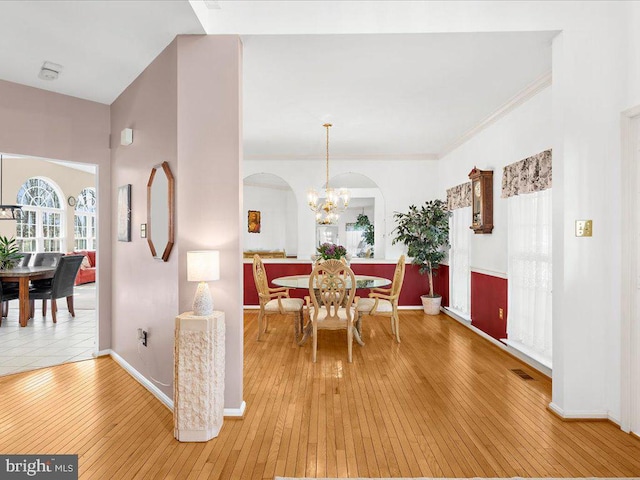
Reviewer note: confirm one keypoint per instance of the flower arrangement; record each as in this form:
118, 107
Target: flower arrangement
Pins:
328, 251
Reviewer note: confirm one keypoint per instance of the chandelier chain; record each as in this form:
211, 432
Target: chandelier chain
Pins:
327, 126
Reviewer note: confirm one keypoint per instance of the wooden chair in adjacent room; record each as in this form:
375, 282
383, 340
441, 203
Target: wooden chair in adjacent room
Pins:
275, 301
331, 302
384, 301
61, 285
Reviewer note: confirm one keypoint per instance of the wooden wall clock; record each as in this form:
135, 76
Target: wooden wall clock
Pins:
481, 200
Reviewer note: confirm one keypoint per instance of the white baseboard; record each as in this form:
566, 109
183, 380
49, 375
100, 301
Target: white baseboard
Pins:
159, 394
102, 353
235, 412
516, 353
146, 383
251, 307
580, 414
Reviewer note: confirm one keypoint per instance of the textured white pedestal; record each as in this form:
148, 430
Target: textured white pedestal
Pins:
198, 392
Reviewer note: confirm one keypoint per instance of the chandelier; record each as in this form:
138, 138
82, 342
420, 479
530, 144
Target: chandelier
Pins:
335, 200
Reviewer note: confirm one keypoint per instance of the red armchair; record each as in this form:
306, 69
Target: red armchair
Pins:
87, 273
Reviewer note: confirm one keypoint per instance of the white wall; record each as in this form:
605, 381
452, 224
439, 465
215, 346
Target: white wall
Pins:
595, 77
401, 183
523, 132
278, 219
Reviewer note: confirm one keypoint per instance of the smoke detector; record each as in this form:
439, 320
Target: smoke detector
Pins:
49, 71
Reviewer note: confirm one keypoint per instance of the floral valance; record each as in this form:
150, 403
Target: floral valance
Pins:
459, 196
532, 174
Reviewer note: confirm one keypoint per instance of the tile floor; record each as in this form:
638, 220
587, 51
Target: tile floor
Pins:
43, 343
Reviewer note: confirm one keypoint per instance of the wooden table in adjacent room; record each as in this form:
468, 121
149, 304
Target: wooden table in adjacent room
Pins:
24, 275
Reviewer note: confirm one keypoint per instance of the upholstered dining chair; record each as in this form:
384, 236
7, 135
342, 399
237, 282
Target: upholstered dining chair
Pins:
61, 285
331, 302
45, 259
5, 296
384, 301
275, 301
24, 261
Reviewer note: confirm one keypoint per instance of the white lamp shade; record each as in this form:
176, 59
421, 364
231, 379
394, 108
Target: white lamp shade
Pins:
203, 265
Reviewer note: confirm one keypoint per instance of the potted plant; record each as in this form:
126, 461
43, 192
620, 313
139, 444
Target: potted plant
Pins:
368, 235
425, 232
9, 253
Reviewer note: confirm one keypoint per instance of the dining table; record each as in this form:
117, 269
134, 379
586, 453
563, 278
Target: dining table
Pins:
23, 276
302, 282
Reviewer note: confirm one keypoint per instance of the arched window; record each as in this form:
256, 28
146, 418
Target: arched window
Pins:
40, 227
85, 220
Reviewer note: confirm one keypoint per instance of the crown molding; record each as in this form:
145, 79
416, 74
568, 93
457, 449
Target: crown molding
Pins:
527, 93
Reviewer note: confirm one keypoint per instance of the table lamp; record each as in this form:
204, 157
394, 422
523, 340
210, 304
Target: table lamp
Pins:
203, 266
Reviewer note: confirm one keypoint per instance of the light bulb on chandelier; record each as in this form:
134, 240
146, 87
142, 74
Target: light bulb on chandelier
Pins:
335, 200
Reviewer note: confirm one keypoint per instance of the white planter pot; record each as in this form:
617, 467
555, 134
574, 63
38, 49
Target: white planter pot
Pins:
431, 305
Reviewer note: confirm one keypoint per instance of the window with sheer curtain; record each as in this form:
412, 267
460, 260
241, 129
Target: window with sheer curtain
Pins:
459, 204
459, 269
530, 257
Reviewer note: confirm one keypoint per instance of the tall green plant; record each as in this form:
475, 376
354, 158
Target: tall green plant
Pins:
9, 253
368, 232
425, 232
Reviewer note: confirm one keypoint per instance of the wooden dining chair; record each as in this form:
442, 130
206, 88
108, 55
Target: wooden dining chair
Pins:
384, 301
331, 303
275, 301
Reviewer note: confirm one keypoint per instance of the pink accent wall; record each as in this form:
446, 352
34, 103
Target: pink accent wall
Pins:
488, 295
50, 125
185, 109
145, 290
209, 194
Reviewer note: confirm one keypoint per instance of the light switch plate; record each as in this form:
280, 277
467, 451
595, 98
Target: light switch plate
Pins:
584, 228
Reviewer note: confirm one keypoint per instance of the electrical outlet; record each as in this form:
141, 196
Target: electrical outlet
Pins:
584, 228
143, 336
501, 313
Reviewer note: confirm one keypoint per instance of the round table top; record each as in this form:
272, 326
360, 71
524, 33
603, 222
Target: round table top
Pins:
302, 281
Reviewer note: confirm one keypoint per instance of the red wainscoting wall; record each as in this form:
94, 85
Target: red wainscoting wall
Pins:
414, 284
488, 295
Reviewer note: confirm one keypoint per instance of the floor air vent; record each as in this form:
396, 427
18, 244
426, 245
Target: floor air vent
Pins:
522, 374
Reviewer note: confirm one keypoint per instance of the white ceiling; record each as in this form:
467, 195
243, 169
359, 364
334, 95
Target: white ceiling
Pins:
102, 45
388, 95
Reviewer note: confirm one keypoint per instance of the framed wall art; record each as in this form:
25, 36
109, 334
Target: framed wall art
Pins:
124, 213
253, 221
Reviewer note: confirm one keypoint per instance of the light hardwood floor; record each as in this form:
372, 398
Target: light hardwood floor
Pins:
443, 403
